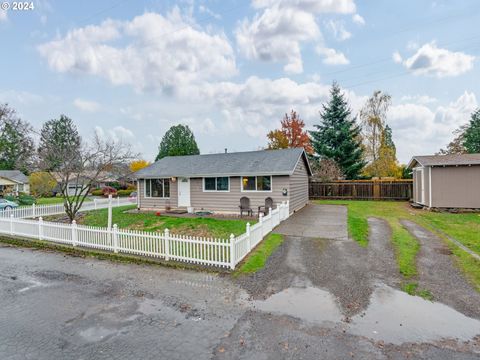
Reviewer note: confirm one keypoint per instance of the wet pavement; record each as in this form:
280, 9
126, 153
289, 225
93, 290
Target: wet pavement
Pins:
316, 298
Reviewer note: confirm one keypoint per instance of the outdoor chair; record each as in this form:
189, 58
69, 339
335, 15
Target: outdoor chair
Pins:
245, 206
265, 208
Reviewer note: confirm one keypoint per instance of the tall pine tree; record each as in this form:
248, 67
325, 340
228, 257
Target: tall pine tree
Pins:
472, 134
338, 136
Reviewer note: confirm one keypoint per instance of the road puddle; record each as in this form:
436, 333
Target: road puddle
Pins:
392, 316
95, 334
396, 317
309, 304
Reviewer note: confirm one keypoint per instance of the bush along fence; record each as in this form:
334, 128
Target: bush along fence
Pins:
362, 189
55, 209
195, 250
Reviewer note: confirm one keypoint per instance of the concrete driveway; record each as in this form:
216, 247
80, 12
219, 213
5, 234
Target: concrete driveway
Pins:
318, 297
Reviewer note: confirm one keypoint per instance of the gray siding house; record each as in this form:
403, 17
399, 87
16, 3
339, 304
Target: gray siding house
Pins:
446, 181
216, 182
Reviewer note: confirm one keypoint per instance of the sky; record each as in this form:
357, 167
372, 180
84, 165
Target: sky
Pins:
231, 69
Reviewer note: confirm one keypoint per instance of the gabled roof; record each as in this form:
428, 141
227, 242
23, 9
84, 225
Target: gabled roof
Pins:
445, 160
263, 162
14, 175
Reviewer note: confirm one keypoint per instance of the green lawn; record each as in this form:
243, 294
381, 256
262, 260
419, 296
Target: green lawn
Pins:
198, 226
463, 227
258, 257
53, 200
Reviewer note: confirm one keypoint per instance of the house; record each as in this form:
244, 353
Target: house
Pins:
78, 181
216, 182
13, 182
446, 181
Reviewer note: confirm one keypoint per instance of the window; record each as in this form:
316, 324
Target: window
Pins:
216, 184
159, 188
257, 183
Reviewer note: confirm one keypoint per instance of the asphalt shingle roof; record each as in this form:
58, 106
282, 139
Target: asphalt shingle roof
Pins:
447, 160
14, 175
263, 162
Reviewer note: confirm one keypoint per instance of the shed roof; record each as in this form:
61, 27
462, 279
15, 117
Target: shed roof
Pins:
445, 160
14, 175
262, 162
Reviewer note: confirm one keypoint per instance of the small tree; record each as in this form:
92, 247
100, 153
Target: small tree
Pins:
41, 183
16, 142
136, 165
83, 164
472, 134
326, 170
338, 136
177, 141
456, 145
290, 135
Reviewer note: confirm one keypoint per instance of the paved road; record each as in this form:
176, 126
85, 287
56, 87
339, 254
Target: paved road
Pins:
317, 298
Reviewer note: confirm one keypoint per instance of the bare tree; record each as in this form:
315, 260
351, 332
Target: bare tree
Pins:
82, 166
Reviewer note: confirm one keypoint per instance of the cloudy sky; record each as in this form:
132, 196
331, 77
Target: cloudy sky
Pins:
230, 69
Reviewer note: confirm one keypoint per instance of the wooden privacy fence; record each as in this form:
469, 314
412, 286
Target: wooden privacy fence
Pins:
362, 190
191, 249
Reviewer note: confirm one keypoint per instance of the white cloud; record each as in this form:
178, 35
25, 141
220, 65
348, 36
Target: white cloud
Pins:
419, 99
337, 28
358, 19
117, 133
277, 32
86, 105
331, 56
205, 10
397, 57
431, 129
3, 15
151, 52
431, 60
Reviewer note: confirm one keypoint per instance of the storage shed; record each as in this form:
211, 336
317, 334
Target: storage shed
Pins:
446, 181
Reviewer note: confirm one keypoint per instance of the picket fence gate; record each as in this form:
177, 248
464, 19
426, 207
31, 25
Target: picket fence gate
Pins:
190, 249
34, 211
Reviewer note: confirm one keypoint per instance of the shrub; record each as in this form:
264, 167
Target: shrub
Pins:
24, 199
97, 192
108, 190
42, 184
124, 193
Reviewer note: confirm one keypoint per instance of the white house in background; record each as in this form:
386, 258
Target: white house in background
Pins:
13, 182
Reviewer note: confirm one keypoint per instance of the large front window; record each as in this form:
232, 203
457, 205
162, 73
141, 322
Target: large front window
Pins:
216, 183
257, 183
159, 188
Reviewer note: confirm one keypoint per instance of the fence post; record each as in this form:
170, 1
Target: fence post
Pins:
118, 200
74, 233
115, 238
40, 228
33, 210
249, 239
11, 225
95, 203
232, 251
167, 244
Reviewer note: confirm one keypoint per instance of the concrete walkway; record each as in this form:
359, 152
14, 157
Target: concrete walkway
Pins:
317, 221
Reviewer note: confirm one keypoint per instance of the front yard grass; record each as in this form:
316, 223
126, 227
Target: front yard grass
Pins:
256, 260
463, 227
193, 226
53, 200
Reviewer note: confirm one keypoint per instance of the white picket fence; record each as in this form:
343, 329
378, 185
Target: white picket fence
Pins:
194, 250
34, 211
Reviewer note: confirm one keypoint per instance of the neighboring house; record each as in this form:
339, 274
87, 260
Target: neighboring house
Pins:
216, 182
446, 181
13, 182
76, 184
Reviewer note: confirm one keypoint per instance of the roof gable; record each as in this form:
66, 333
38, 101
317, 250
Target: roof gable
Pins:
14, 175
263, 162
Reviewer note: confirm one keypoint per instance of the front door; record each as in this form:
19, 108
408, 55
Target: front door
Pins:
183, 192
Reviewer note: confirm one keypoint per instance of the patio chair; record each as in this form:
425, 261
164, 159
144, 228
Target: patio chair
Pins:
265, 208
245, 206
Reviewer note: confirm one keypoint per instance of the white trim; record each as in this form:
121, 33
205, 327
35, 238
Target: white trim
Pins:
163, 188
430, 186
138, 193
215, 177
256, 186
423, 185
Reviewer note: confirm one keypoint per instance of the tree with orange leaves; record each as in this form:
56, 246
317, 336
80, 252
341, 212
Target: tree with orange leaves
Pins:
291, 134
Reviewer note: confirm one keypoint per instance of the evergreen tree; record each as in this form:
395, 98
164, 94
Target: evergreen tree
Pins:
472, 134
338, 136
177, 141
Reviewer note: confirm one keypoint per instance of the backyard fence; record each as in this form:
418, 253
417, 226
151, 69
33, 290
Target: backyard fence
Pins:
362, 190
191, 249
34, 211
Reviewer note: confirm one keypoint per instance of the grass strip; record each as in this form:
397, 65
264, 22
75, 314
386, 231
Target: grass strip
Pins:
257, 259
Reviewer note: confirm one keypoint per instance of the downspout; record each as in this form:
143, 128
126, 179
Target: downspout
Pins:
430, 186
